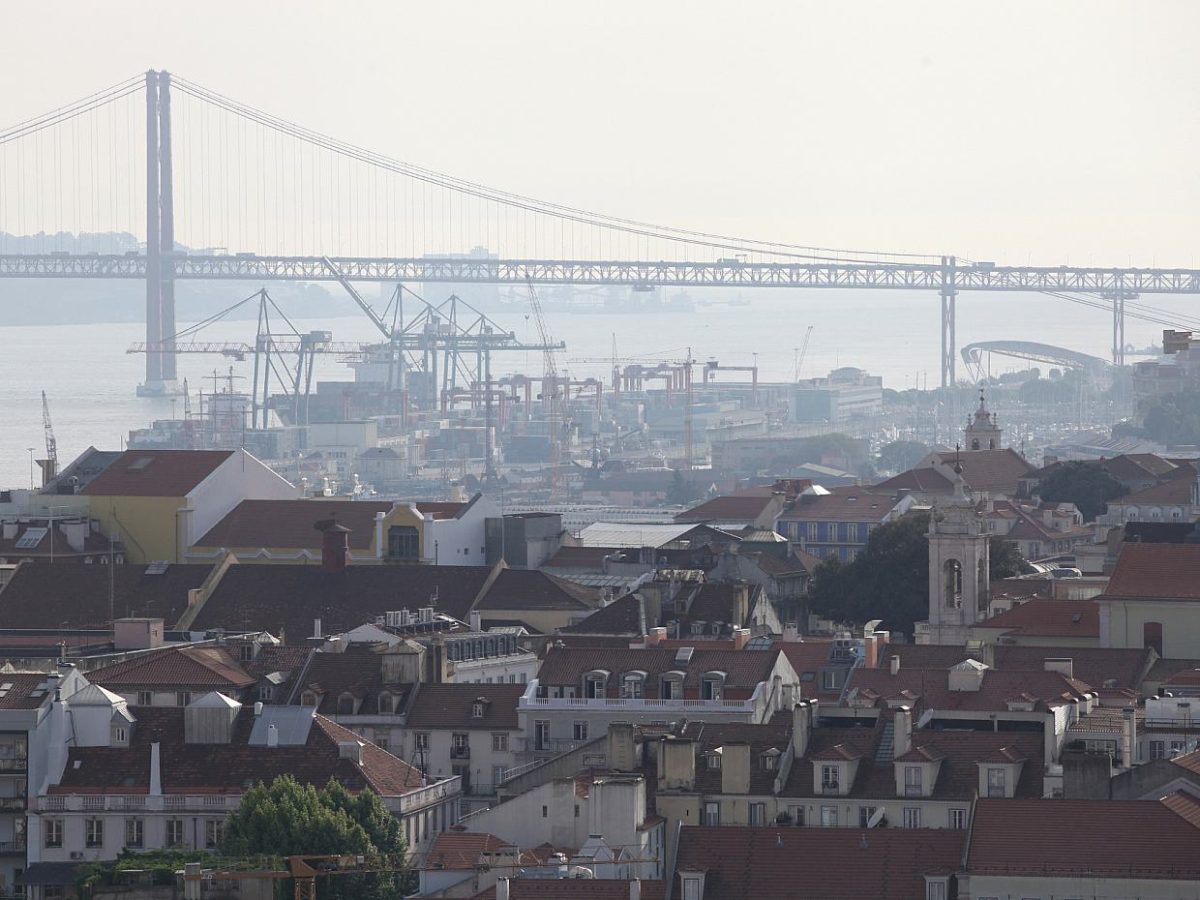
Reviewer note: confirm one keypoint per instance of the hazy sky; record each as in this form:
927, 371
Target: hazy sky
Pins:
1063, 132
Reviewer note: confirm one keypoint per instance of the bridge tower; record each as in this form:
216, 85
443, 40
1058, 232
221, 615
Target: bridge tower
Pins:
160, 241
949, 294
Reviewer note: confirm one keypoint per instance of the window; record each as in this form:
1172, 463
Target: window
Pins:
93, 832
813, 529
53, 891
421, 741
631, 685
541, 734
864, 816
912, 781
403, 542
545, 812
830, 779
120, 734
829, 817
712, 813
477, 709
595, 685
214, 833
460, 745
345, 705
1158, 749
135, 832
182, 698
768, 762
852, 533
958, 818
145, 698
952, 579
797, 816
308, 698
52, 833
912, 817
579, 730
935, 890
498, 774
387, 704
174, 832
714, 760
829, 679
691, 889
500, 742
1152, 636
672, 687
996, 782
758, 814
1177, 747
711, 686
382, 742
265, 693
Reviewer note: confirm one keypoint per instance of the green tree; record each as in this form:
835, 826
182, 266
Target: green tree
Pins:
901, 455
1174, 418
682, 491
1086, 485
1005, 560
286, 818
889, 580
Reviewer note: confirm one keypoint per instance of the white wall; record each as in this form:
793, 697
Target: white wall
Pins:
240, 477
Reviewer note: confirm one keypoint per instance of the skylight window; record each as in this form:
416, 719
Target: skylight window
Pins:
31, 538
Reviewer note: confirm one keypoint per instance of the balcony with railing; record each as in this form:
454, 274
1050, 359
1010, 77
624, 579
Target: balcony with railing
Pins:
532, 703
831, 787
12, 804
428, 796
12, 847
13, 764
460, 751
138, 802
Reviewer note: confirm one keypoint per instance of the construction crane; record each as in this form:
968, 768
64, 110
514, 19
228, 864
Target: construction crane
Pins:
549, 388
50, 463
801, 353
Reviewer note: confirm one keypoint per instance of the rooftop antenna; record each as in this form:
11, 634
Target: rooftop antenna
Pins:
958, 469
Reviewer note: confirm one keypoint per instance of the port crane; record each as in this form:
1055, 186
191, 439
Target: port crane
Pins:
801, 352
549, 389
50, 463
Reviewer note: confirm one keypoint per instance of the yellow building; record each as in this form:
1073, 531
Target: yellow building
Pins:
157, 502
1153, 599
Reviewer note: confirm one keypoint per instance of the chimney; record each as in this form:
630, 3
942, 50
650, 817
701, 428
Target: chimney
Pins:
741, 637
317, 628
894, 663
501, 889
1128, 736
735, 768
802, 725
655, 636
635, 889
1063, 665
902, 724
791, 633
676, 765
155, 770
258, 707
335, 545
10, 530
476, 620
621, 747
272, 735
76, 534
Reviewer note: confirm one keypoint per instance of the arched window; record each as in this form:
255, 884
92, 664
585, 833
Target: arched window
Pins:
633, 685
595, 684
712, 685
671, 686
308, 698
952, 581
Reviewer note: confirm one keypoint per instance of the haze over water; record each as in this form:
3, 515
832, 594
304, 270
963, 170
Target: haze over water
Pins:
90, 380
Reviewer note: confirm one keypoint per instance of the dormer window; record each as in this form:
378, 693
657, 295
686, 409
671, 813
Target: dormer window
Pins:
387, 704
345, 705
770, 760
831, 779
595, 685
632, 685
477, 709
308, 698
672, 686
714, 759
712, 685
120, 736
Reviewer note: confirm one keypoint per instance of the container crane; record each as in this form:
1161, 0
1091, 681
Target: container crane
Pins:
549, 388
50, 463
801, 353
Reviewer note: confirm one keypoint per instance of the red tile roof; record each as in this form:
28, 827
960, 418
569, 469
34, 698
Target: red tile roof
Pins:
466, 849
842, 504
1189, 761
1172, 492
625, 616
1049, 618
196, 668
1185, 806
930, 688
743, 863
358, 671
292, 524
17, 690
994, 471
1155, 572
923, 481
228, 768
156, 473
1122, 839
733, 507
452, 706
43, 596
744, 669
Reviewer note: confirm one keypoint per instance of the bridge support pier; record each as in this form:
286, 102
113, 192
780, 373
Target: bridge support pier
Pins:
1118, 296
160, 242
949, 294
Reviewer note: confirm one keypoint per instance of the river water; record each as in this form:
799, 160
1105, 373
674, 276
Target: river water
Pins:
90, 380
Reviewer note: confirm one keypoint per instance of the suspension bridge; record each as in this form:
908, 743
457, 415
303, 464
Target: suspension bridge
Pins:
160, 179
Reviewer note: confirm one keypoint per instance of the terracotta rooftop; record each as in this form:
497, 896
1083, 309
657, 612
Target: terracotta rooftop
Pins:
156, 473
358, 672
228, 768
923, 480
195, 668
1184, 805
744, 669
452, 706
52, 543
842, 504
930, 688
994, 471
1156, 572
728, 508
285, 599
531, 589
576, 889
43, 596
625, 616
1049, 618
1125, 839
292, 524
743, 863
23, 690
1172, 492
